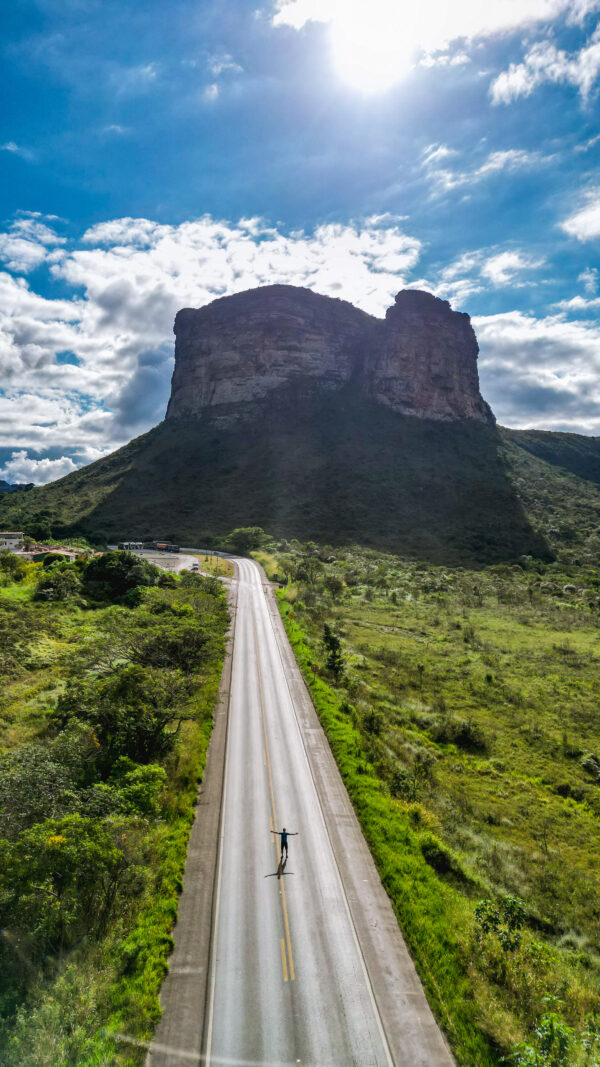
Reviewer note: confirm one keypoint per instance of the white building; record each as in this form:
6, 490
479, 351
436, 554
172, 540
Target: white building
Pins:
10, 541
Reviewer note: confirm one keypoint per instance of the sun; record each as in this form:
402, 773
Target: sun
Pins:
374, 42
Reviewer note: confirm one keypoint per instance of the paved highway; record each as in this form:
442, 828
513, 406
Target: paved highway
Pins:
286, 980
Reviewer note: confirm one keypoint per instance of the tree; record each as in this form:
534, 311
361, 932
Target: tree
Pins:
333, 649
117, 577
61, 582
34, 785
39, 530
308, 569
12, 567
60, 880
181, 644
135, 712
334, 585
245, 539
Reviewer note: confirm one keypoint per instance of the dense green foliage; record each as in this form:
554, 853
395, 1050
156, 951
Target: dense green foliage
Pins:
117, 577
464, 718
104, 725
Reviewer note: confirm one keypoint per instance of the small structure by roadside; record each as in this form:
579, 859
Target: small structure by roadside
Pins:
10, 540
35, 553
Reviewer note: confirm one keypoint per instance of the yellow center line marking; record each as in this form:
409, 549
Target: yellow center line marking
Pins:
283, 960
287, 932
274, 820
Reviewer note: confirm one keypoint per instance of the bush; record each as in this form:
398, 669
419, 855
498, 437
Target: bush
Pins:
131, 712
504, 918
557, 1045
117, 577
33, 785
59, 881
463, 733
591, 764
438, 855
12, 568
61, 582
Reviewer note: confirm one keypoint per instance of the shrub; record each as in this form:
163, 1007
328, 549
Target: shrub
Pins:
334, 660
464, 733
557, 1045
61, 582
438, 855
404, 784
117, 576
504, 918
60, 880
591, 764
12, 567
135, 712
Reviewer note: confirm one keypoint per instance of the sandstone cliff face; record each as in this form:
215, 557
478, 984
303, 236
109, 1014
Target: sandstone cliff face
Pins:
427, 363
240, 350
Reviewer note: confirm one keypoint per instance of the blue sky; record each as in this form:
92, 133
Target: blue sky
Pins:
156, 155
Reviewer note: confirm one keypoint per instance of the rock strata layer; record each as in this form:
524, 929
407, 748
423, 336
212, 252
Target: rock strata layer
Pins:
280, 340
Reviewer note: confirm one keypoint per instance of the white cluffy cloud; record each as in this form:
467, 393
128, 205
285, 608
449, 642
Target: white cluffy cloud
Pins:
541, 373
503, 268
436, 162
26, 244
22, 468
584, 224
547, 64
85, 374
375, 41
475, 271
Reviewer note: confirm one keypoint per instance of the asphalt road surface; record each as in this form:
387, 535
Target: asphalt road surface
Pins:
306, 963
288, 983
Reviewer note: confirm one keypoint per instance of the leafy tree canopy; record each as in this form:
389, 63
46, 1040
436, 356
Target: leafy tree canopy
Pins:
117, 577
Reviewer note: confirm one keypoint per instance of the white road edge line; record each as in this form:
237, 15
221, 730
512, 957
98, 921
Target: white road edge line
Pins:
374, 1004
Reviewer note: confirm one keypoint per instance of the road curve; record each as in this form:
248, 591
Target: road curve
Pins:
303, 968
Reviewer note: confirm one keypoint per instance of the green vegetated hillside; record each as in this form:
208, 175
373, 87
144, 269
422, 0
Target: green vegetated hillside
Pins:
109, 672
337, 469
462, 707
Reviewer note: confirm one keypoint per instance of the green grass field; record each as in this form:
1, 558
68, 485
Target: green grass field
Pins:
466, 726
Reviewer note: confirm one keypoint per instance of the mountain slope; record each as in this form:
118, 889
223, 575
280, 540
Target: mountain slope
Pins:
338, 470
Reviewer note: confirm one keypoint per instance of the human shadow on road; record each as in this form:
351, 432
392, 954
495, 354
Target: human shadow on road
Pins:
281, 869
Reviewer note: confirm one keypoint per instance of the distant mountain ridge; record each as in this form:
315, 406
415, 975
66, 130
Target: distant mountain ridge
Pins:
9, 487
305, 416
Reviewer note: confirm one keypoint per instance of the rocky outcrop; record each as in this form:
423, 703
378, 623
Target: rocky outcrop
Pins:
281, 340
427, 363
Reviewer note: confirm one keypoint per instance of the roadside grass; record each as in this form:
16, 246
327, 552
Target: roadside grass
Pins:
466, 728
215, 565
268, 562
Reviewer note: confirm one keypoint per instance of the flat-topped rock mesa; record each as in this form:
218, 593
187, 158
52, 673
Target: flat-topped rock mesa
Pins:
282, 341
